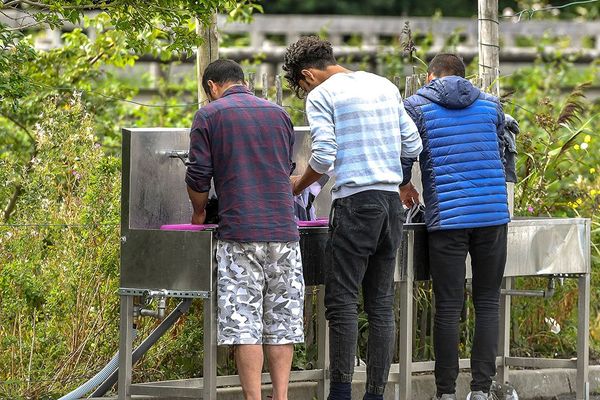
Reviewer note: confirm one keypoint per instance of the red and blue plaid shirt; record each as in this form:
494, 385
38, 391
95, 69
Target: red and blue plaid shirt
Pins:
245, 144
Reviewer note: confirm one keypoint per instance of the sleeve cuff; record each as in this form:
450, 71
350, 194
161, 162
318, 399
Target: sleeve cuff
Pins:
200, 187
318, 167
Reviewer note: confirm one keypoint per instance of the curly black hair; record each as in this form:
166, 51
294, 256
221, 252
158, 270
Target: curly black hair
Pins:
307, 52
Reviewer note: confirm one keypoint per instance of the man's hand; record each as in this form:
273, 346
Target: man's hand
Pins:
198, 218
409, 195
294, 179
299, 183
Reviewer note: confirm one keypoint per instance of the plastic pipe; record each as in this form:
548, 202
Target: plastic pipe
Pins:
100, 377
152, 338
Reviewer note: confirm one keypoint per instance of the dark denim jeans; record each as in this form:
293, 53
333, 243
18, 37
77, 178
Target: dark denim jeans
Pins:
447, 254
364, 234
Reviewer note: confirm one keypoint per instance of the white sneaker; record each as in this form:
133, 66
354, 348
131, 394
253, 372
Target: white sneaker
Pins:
446, 397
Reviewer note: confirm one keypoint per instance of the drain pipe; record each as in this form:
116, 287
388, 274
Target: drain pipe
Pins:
546, 294
182, 308
159, 313
96, 379
111, 369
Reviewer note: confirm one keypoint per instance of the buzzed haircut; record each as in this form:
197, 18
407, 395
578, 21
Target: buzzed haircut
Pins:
446, 64
307, 52
220, 72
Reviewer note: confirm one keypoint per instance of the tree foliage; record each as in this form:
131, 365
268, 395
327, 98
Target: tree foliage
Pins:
124, 30
60, 114
172, 20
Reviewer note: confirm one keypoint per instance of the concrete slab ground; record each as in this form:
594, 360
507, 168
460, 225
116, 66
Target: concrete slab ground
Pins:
542, 384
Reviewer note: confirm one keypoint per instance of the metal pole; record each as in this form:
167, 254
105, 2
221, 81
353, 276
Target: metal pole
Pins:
206, 53
125, 347
322, 345
583, 338
504, 327
210, 347
404, 386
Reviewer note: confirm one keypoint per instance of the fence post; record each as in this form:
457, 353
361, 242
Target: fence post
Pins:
251, 81
489, 43
206, 53
279, 90
265, 86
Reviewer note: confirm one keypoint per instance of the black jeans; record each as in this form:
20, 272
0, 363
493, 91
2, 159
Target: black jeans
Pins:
364, 234
447, 254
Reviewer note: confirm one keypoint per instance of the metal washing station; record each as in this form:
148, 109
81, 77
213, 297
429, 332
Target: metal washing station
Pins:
159, 264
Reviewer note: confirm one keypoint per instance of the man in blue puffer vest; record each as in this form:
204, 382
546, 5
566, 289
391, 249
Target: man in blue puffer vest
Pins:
464, 189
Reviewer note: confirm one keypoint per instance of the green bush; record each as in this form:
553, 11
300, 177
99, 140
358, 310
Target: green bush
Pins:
558, 176
60, 251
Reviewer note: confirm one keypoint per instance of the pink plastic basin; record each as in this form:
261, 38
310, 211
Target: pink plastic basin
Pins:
187, 227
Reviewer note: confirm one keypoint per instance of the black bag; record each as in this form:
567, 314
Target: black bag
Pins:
415, 214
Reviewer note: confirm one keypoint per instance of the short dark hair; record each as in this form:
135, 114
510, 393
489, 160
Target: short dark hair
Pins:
222, 71
446, 64
307, 52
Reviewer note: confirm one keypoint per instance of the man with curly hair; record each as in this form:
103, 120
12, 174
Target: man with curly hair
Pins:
359, 131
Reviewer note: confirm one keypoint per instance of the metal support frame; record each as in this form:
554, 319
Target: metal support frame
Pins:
403, 388
184, 294
209, 384
125, 347
583, 338
400, 374
322, 346
503, 360
504, 338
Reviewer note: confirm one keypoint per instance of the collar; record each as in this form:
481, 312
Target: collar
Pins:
236, 89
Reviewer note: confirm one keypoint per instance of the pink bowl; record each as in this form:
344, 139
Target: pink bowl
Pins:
187, 227
318, 222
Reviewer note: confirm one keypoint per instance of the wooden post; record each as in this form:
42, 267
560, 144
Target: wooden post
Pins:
265, 86
207, 52
279, 90
489, 43
251, 79
489, 62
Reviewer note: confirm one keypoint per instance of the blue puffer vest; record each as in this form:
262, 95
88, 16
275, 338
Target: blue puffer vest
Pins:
462, 168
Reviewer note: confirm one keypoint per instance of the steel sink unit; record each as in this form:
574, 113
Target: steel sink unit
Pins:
181, 264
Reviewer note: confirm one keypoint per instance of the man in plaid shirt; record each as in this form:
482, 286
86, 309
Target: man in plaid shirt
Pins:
245, 144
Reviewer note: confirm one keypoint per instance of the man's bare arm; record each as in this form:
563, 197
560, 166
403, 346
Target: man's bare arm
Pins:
199, 201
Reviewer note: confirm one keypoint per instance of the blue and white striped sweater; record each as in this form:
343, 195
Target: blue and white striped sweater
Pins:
359, 131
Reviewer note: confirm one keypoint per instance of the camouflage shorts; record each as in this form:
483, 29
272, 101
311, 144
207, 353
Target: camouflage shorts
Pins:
260, 293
